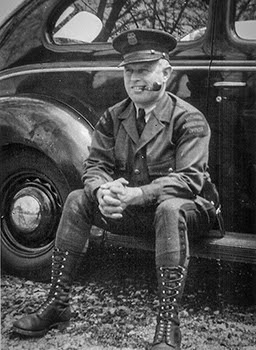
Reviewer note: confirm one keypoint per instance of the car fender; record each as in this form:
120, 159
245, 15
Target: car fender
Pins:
55, 129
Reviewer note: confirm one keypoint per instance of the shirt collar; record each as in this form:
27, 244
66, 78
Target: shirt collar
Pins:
147, 111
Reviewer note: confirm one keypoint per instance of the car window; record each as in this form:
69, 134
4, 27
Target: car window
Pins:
245, 19
177, 17
69, 27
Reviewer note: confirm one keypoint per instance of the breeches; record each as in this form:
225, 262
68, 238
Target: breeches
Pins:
174, 222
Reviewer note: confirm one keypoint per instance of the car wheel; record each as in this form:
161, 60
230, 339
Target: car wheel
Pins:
32, 192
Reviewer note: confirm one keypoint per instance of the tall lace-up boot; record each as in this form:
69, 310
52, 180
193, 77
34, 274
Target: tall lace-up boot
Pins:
171, 282
55, 311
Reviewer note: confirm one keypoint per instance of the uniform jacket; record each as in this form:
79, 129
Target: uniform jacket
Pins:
168, 160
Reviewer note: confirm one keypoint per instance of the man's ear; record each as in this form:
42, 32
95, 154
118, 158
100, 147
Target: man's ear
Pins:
167, 73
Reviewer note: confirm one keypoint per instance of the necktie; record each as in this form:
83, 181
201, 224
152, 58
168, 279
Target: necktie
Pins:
140, 121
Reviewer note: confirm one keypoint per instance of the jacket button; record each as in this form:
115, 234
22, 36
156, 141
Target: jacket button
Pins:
136, 171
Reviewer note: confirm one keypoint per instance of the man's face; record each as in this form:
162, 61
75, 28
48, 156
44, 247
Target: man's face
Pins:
140, 76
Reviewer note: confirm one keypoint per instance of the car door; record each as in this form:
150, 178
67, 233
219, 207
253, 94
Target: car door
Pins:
232, 112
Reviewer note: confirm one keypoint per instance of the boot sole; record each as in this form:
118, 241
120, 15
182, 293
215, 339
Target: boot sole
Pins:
60, 326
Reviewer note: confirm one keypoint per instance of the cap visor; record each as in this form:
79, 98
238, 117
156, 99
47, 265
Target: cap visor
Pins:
125, 62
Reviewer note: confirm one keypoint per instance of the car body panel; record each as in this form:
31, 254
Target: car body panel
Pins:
25, 121
232, 99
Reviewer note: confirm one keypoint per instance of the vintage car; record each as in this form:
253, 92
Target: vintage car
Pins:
59, 73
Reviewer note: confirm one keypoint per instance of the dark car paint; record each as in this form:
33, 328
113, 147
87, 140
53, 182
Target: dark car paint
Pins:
232, 99
25, 121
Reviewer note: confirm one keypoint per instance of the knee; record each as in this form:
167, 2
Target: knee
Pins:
168, 207
75, 199
177, 207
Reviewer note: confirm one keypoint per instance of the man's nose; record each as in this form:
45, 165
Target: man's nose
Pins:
135, 75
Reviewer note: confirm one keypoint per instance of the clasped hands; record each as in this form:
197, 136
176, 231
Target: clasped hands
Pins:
114, 196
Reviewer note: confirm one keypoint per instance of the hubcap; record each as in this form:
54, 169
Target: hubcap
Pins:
32, 209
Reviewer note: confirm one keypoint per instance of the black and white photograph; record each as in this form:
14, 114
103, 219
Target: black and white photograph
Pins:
128, 174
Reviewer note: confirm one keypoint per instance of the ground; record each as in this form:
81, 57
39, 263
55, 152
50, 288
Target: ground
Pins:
114, 305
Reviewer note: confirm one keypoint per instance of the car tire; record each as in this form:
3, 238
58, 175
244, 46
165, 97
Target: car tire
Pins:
28, 176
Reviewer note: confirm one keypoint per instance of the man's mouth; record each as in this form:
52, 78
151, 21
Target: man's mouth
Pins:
139, 88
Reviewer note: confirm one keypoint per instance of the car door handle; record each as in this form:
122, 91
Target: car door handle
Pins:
225, 84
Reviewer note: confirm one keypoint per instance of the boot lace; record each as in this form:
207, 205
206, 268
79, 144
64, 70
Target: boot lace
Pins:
170, 289
58, 264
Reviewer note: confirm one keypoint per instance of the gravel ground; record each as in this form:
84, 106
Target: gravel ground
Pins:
114, 305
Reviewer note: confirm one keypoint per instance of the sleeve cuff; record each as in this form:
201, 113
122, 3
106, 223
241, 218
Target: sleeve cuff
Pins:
150, 193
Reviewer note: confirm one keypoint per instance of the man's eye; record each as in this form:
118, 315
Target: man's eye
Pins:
143, 71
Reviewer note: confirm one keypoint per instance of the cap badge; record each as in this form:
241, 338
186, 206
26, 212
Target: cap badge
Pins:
132, 40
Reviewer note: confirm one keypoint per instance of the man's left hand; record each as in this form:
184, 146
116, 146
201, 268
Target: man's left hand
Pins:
115, 196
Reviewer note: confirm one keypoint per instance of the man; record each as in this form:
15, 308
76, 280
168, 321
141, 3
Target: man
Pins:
146, 169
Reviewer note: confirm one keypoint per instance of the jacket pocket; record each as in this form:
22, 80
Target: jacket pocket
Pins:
162, 168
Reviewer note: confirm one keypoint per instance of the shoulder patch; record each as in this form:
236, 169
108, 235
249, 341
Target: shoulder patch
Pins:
195, 125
